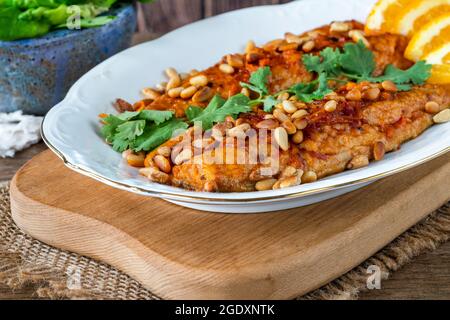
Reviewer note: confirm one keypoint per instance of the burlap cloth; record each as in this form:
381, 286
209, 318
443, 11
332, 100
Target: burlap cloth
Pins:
25, 261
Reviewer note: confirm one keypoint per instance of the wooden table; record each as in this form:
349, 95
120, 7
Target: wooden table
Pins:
427, 277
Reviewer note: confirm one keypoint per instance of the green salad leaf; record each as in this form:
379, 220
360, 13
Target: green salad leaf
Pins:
20, 19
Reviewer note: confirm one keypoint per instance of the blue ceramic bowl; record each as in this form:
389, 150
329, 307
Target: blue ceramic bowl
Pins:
35, 74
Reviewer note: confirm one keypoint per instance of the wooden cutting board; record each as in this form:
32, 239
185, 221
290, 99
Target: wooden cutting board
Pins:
182, 253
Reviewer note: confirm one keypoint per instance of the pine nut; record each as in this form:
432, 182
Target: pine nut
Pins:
284, 96
300, 114
389, 86
203, 95
236, 132
183, 156
371, 94
199, 81
269, 116
297, 138
339, 27
443, 116
289, 126
155, 175
201, 143
173, 83
126, 153
188, 92
250, 46
235, 60
175, 92
353, 95
210, 186
281, 138
300, 124
357, 35
226, 68
379, 150
280, 115
330, 106
136, 160
172, 73
267, 124
432, 107
309, 176
358, 161
289, 182
253, 57
184, 76
309, 46
193, 72
289, 107
292, 38
289, 171
265, 184
161, 87
162, 163
245, 92
164, 151
151, 94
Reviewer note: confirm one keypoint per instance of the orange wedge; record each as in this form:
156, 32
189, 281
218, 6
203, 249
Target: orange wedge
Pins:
404, 16
419, 13
440, 74
430, 37
440, 59
383, 16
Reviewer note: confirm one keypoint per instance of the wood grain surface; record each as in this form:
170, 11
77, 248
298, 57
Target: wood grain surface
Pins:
165, 15
182, 253
428, 277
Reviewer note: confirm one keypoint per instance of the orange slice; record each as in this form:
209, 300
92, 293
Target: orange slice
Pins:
440, 74
420, 12
404, 16
383, 15
430, 37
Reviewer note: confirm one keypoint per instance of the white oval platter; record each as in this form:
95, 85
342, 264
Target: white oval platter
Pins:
71, 128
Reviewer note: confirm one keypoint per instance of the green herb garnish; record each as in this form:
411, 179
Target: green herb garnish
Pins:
356, 62
144, 130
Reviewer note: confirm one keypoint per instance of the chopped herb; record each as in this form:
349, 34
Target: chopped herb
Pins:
128, 130
258, 81
218, 109
356, 62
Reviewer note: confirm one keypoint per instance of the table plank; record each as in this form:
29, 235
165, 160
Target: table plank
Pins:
166, 15
9, 166
213, 7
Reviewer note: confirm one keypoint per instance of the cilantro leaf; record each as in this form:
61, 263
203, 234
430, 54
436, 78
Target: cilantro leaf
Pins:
193, 112
126, 133
357, 60
308, 92
218, 109
156, 116
269, 103
156, 134
124, 129
417, 74
109, 129
327, 62
258, 81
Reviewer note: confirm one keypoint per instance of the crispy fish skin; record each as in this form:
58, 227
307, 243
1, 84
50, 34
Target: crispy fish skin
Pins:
332, 140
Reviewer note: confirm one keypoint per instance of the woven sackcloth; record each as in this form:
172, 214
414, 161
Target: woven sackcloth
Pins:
26, 261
